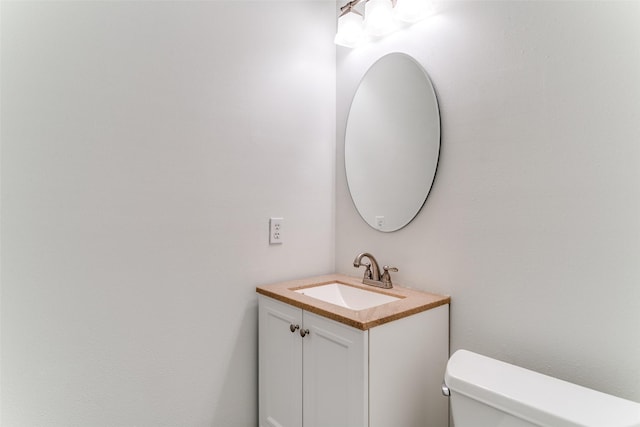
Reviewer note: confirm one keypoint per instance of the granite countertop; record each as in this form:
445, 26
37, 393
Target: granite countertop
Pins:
411, 301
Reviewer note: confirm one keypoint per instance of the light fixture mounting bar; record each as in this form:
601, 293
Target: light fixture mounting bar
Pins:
353, 3
349, 7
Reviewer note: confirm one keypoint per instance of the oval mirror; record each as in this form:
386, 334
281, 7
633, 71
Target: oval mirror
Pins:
392, 142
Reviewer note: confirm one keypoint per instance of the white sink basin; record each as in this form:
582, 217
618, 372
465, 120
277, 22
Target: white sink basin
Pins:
347, 296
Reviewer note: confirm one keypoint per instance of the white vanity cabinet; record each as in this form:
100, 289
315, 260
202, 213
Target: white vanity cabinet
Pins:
319, 380
341, 376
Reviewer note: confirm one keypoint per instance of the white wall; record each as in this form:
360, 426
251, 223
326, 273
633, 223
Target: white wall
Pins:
144, 147
533, 223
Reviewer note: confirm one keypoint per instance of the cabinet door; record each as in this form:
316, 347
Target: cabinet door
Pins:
335, 374
280, 364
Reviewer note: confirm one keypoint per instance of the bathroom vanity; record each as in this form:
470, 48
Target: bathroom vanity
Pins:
346, 358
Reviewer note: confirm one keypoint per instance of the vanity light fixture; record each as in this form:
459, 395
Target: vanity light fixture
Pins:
381, 18
378, 21
411, 11
350, 26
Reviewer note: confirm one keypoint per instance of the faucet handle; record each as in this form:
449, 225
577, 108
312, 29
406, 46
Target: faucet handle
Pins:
386, 277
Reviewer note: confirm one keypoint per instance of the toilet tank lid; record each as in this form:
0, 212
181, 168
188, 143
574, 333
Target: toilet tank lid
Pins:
535, 397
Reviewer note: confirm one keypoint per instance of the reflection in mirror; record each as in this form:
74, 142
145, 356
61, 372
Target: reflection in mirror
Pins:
392, 142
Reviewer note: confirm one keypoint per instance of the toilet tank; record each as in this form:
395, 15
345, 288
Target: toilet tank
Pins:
486, 392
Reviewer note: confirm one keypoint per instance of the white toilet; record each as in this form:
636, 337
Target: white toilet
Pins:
485, 392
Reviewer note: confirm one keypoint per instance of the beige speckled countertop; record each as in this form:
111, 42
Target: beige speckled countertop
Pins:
411, 301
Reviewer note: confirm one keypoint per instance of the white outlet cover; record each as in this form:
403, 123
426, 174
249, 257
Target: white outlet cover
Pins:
275, 231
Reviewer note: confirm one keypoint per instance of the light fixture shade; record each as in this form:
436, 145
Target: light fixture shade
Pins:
378, 19
411, 11
350, 29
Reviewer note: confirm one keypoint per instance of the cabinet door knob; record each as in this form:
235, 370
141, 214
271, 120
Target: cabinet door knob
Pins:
304, 332
293, 327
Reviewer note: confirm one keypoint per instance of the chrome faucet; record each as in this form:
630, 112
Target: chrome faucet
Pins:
372, 271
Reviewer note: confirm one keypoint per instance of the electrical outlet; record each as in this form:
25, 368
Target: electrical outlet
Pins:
379, 222
275, 231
